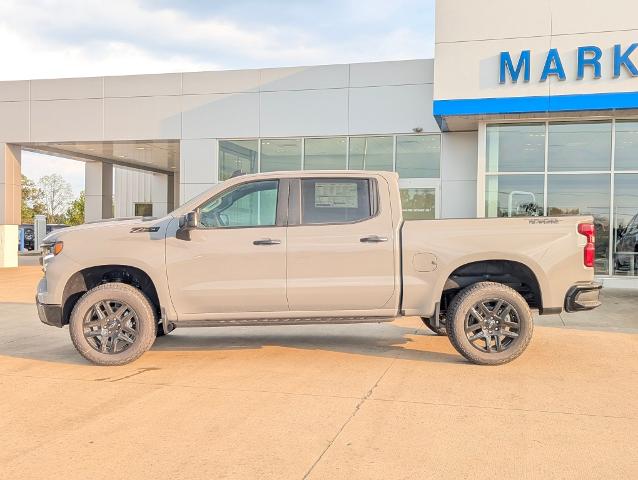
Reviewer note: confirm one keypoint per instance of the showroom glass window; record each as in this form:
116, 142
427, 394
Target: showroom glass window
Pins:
279, 155
515, 195
236, 157
325, 153
582, 147
626, 145
576, 147
625, 234
143, 209
578, 170
371, 153
584, 194
516, 148
418, 156
515, 163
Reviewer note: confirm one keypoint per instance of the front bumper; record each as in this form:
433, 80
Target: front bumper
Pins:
585, 296
49, 314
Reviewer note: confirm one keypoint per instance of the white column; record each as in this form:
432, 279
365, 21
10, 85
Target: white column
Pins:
159, 194
10, 204
481, 166
98, 190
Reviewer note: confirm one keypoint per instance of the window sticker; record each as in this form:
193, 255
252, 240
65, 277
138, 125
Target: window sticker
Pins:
336, 195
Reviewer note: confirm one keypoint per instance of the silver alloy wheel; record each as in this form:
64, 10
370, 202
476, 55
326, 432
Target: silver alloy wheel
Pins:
110, 326
492, 325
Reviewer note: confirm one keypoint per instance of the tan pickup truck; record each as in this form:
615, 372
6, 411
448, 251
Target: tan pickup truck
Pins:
312, 247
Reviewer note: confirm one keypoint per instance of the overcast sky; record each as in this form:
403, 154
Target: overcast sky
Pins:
69, 38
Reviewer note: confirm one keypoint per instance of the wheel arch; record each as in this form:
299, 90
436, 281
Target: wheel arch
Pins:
524, 277
84, 280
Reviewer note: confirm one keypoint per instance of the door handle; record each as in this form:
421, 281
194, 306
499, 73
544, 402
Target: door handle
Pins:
373, 239
267, 241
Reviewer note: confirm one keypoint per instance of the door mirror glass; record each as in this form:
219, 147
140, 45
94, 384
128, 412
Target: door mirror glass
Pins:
189, 220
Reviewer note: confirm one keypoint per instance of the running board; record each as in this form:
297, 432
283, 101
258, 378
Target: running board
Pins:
258, 322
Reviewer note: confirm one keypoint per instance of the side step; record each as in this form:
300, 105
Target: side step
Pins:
257, 322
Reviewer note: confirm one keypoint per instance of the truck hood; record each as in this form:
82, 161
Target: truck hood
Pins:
123, 224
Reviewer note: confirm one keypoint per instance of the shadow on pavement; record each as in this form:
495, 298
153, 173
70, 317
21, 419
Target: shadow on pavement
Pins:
380, 340
23, 336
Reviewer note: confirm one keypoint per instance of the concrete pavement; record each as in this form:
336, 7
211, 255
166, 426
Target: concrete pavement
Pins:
350, 401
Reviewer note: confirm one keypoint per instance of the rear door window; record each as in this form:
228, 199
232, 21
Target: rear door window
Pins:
336, 200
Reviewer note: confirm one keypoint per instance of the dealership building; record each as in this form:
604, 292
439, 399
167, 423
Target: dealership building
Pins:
528, 108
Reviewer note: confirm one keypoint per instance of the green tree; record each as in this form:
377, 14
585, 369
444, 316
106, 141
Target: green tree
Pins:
75, 213
32, 200
57, 196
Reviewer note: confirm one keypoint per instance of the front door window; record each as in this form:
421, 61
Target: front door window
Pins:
248, 205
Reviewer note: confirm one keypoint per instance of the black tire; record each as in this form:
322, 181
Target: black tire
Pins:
510, 320
139, 310
440, 330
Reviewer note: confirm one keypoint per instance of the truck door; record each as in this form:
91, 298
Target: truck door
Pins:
235, 261
341, 245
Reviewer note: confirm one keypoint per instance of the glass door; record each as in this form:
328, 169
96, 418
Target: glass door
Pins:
420, 198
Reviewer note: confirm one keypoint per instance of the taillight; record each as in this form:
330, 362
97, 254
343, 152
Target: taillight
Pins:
589, 231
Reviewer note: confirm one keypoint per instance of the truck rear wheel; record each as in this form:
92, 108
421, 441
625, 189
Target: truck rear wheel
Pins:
112, 324
489, 323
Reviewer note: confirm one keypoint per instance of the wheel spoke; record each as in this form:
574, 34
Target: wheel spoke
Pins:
506, 311
126, 338
104, 343
499, 347
99, 312
120, 311
129, 330
476, 337
473, 328
125, 319
484, 310
509, 333
510, 324
488, 342
108, 308
497, 308
476, 314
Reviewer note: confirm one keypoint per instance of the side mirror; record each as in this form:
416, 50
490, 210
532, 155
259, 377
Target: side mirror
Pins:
189, 221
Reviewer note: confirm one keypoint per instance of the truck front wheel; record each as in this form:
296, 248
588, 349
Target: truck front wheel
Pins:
489, 323
112, 324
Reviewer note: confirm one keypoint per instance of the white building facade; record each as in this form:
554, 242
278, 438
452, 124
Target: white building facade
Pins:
529, 108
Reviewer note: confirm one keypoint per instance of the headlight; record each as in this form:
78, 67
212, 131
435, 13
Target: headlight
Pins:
49, 250
52, 248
